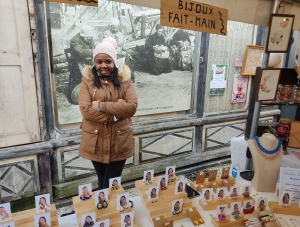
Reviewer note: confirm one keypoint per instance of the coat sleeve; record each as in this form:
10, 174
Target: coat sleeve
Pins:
124, 109
85, 103
80, 49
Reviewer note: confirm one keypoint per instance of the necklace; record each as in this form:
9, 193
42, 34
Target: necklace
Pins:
264, 149
264, 154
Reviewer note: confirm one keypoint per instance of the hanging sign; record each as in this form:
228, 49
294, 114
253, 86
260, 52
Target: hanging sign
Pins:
77, 2
193, 15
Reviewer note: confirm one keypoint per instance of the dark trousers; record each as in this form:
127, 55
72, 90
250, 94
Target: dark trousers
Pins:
106, 171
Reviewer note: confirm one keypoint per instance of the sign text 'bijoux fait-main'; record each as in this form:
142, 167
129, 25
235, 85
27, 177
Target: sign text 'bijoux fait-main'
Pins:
194, 15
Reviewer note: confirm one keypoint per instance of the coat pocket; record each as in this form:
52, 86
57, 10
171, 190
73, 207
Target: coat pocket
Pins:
123, 140
88, 140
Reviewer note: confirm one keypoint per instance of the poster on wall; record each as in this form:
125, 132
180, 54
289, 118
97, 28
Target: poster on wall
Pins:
160, 57
218, 79
239, 89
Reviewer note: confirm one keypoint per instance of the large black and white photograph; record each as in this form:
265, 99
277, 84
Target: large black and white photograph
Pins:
160, 58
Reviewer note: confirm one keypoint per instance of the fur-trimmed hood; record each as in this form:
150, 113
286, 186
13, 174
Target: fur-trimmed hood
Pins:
123, 76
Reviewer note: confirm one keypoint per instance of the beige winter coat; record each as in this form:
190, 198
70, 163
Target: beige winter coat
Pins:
104, 139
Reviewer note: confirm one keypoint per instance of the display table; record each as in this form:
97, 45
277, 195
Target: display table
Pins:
238, 150
141, 216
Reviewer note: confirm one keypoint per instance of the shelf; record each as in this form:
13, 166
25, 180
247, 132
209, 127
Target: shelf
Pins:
279, 104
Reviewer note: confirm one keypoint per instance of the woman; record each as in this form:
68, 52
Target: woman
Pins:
157, 53
170, 174
180, 187
102, 203
163, 185
207, 195
123, 202
221, 195
262, 206
286, 199
153, 193
176, 209
222, 215
43, 206
115, 185
246, 193
107, 101
127, 221
88, 222
43, 222
85, 194
148, 177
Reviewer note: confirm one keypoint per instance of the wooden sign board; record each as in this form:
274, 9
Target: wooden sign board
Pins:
77, 2
193, 15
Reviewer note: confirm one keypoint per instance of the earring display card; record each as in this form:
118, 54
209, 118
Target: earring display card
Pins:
85, 191
101, 196
5, 212
88, 219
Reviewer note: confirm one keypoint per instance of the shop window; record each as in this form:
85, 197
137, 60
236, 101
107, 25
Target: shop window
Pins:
161, 58
225, 89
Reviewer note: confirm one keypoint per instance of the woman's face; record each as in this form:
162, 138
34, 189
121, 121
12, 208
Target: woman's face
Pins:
88, 219
148, 176
207, 194
127, 219
177, 206
101, 195
222, 210
262, 202
180, 185
42, 201
286, 197
163, 181
42, 221
104, 64
123, 199
170, 171
153, 191
115, 182
84, 190
221, 193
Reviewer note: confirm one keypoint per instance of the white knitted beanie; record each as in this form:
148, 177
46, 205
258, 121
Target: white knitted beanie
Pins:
108, 46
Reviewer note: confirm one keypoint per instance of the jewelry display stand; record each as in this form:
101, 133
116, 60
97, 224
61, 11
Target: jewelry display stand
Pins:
111, 212
267, 158
26, 218
159, 211
212, 205
214, 184
237, 223
293, 209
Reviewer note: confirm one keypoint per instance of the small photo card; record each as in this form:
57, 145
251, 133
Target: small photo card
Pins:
102, 223
85, 191
163, 182
246, 192
235, 210
221, 212
285, 198
148, 176
42, 203
248, 206
114, 183
127, 219
101, 196
170, 171
207, 194
88, 219
261, 203
123, 201
42, 220
153, 193
5, 212
221, 193
234, 192
176, 206
10, 224
180, 187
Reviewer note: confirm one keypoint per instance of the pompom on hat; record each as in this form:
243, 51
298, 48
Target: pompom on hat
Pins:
107, 46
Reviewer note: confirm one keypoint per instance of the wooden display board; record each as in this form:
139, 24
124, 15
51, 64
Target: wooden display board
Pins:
111, 212
159, 211
237, 223
212, 205
26, 218
214, 184
293, 209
